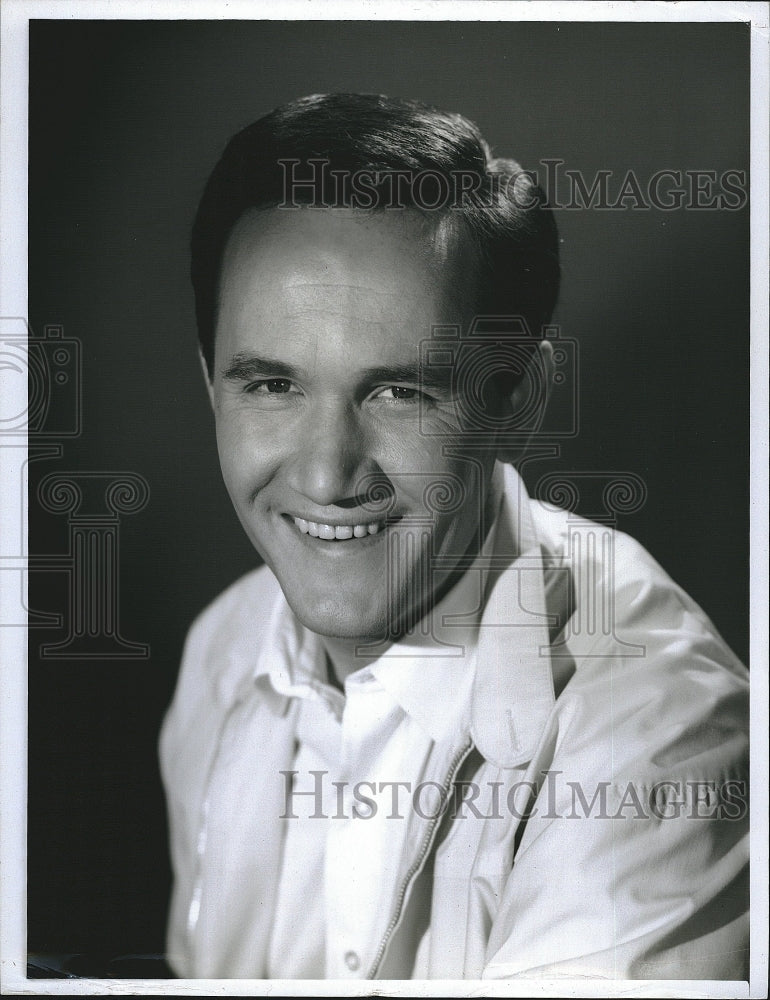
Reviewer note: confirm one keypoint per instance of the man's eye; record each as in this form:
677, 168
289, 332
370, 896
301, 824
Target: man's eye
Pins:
271, 386
400, 392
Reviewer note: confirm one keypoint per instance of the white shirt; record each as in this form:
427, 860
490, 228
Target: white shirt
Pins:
362, 757
645, 697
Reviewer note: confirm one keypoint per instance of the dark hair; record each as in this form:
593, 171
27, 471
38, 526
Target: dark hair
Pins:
448, 168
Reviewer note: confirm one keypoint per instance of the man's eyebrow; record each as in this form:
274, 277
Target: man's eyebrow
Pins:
243, 367
429, 377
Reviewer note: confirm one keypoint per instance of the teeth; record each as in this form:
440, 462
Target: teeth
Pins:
339, 533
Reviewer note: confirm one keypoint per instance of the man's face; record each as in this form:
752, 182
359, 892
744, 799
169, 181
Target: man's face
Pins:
318, 397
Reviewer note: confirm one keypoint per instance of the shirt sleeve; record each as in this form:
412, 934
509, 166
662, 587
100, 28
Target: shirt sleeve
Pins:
633, 863
628, 897
181, 742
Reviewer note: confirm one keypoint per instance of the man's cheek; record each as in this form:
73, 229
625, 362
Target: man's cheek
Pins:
422, 439
245, 463
236, 473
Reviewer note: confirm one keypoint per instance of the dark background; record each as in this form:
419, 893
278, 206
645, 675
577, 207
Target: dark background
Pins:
126, 119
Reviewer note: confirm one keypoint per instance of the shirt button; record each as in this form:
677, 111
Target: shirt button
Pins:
352, 961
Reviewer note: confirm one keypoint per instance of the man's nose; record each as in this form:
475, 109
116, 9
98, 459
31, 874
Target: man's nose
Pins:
330, 460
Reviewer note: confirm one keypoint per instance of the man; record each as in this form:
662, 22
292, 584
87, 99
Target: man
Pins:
446, 731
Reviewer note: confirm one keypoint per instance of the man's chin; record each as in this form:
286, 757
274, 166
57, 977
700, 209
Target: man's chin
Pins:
341, 619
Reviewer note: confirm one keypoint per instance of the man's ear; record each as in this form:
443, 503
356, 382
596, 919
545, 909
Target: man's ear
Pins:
209, 381
538, 380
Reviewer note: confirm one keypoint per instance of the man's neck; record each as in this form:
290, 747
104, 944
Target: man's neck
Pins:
344, 656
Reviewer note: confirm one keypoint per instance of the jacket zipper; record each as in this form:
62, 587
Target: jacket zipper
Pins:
454, 767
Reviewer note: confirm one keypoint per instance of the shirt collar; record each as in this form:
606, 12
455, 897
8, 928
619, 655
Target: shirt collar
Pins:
431, 675
513, 692
291, 662
428, 673
512, 685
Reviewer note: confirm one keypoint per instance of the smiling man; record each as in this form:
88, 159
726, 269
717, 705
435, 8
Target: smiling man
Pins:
320, 399
407, 747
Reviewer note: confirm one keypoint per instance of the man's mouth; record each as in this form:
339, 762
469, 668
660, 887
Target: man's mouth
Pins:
337, 532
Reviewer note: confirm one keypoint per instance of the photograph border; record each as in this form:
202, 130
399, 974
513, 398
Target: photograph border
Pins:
14, 19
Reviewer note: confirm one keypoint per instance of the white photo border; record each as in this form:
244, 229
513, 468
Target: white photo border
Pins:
14, 21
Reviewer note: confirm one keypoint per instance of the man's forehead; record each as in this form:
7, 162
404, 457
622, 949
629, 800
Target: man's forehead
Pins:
339, 253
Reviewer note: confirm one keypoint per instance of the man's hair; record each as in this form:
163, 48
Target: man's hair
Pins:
377, 153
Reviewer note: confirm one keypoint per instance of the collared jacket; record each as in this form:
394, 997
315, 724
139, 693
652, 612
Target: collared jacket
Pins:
595, 819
